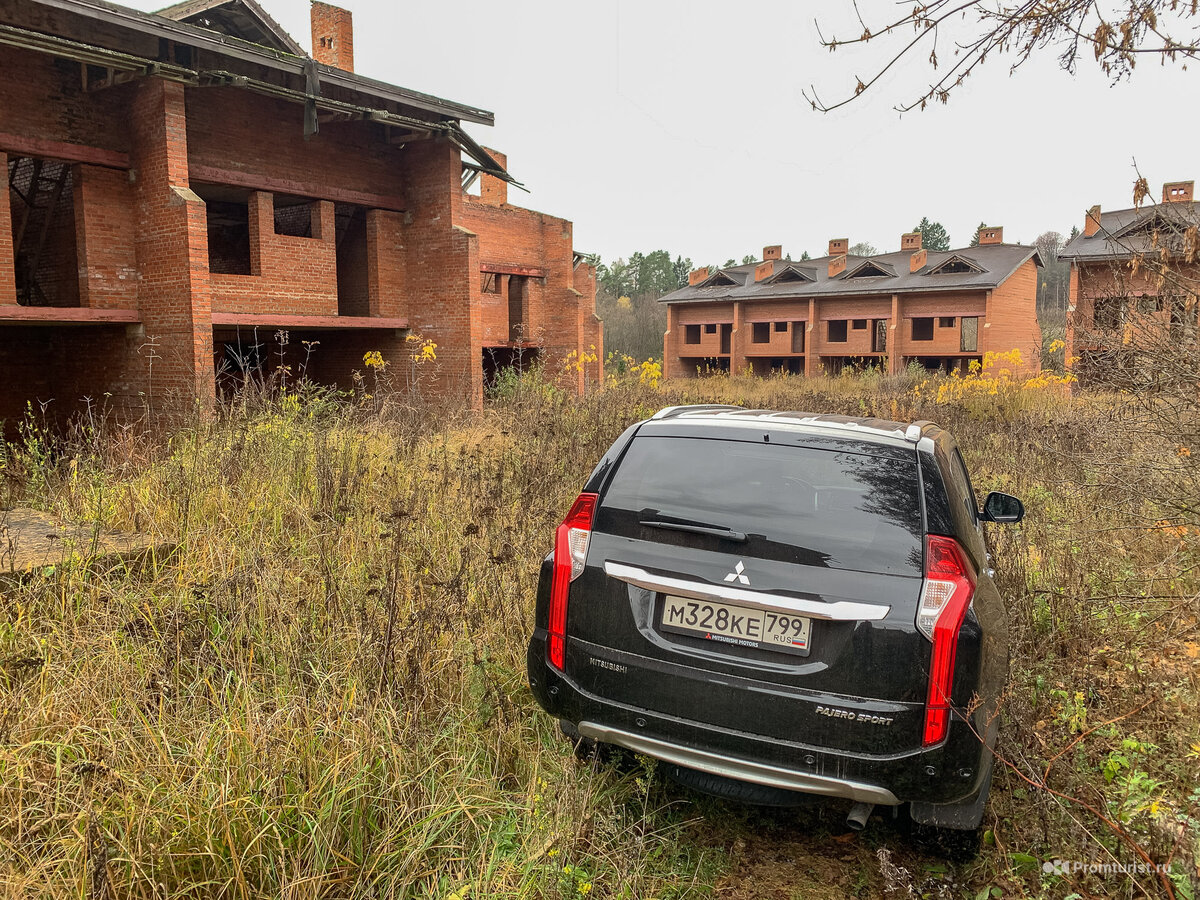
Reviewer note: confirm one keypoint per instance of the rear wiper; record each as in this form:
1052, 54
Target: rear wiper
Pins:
720, 531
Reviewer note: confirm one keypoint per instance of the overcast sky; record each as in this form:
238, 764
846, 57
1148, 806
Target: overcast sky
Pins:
674, 125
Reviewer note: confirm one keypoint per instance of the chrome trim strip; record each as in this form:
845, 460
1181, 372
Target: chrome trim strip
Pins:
740, 769
838, 611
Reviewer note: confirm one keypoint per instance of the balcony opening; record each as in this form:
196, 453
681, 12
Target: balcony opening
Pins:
42, 201
879, 336
227, 211
797, 337
518, 303
350, 230
726, 339
969, 336
293, 219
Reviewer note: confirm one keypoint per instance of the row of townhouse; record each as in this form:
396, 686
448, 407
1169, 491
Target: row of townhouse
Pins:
941, 310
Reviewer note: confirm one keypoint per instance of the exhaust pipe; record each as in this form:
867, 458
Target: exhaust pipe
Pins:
856, 819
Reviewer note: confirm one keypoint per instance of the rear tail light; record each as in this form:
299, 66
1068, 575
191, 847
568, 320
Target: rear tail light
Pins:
570, 552
945, 599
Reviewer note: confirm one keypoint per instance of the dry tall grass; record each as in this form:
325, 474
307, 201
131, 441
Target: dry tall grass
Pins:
322, 692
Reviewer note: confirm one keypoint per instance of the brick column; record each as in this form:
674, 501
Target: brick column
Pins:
261, 210
8, 266
812, 360
1072, 312
894, 356
737, 340
442, 267
671, 366
172, 252
385, 262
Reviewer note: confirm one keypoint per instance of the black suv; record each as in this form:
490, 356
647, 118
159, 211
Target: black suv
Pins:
774, 602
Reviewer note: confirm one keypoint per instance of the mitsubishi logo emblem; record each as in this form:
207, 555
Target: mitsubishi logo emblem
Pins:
736, 574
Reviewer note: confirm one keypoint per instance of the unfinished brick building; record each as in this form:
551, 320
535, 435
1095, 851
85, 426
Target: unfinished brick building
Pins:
183, 186
938, 309
1118, 310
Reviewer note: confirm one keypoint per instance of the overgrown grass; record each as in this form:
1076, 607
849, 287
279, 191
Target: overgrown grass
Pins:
322, 692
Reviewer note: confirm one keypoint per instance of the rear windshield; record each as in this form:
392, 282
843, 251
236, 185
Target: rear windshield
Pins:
814, 507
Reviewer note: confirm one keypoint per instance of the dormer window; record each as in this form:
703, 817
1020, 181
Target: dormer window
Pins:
719, 280
869, 270
792, 275
955, 265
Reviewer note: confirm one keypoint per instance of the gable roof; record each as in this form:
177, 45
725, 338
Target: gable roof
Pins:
1124, 233
243, 19
994, 263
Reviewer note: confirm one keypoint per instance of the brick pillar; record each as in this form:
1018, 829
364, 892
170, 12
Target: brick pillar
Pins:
894, 356
172, 252
1073, 305
671, 365
442, 267
324, 222
8, 266
737, 340
812, 349
385, 263
261, 208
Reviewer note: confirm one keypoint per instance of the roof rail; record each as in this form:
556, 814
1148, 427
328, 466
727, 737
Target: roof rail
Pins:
672, 411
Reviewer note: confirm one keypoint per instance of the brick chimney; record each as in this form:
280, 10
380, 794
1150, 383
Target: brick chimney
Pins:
838, 246
917, 260
1178, 191
332, 36
766, 269
837, 264
991, 235
1091, 222
697, 275
492, 190
775, 251
911, 241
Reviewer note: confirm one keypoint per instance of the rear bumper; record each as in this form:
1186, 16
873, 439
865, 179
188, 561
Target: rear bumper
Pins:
953, 772
740, 769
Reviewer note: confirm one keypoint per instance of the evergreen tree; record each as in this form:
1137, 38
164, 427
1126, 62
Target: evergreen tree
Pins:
933, 235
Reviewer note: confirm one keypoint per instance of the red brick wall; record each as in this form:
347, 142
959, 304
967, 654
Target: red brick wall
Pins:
104, 229
8, 275
442, 268
291, 275
258, 137
42, 98
386, 282
1012, 319
172, 248
560, 314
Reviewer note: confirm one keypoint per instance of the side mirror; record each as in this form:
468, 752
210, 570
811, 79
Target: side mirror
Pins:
1002, 509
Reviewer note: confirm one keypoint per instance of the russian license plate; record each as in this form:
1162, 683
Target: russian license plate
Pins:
741, 625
